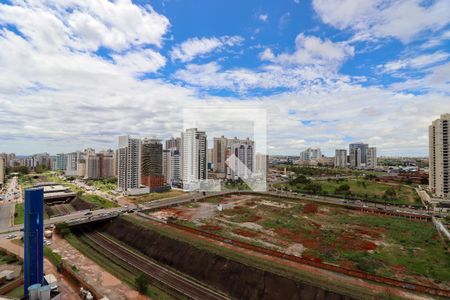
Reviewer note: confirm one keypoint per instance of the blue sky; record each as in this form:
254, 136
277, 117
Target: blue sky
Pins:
76, 74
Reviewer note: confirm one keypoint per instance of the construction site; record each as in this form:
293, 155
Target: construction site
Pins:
279, 248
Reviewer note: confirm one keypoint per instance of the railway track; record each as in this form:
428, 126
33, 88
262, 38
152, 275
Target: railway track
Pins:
175, 281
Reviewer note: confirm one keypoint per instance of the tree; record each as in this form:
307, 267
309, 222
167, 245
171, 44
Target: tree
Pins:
313, 188
343, 189
301, 179
390, 193
41, 168
141, 282
62, 229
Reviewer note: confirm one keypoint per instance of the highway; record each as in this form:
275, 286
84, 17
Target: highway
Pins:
8, 203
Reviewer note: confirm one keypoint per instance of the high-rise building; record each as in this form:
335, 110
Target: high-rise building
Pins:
358, 155
261, 164
243, 167
220, 145
171, 166
152, 164
129, 164
173, 143
92, 166
372, 161
310, 154
72, 163
61, 162
106, 163
2, 172
340, 158
194, 162
439, 156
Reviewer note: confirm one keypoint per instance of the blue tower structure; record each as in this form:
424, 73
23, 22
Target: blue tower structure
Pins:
33, 237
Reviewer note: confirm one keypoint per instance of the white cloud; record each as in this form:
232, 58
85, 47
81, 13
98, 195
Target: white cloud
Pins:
263, 17
56, 94
143, 61
194, 47
314, 60
86, 25
311, 50
404, 20
416, 62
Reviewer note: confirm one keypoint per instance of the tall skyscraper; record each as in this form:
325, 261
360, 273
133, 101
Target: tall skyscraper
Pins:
194, 162
151, 164
129, 164
245, 165
106, 163
439, 156
358, 155
2, 172
72, 163
171, 166
173, 143
61, 162
310, 154
340, 158
220, 145
372, 161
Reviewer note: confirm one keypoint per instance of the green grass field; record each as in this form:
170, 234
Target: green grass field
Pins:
19, 213
361, 189
155, 196
98, 201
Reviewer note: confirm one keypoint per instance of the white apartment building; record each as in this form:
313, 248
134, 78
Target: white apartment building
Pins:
129, 165
194, 160
243, 167
439, 156
220, 145
310, 154
340, 158
72, 163
171, 166
372, 161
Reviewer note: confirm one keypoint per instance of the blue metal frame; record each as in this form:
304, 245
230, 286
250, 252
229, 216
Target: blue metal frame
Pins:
33, 237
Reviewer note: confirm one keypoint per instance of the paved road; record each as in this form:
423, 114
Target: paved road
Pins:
7, 205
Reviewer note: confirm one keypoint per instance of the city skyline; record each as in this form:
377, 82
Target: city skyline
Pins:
327, 74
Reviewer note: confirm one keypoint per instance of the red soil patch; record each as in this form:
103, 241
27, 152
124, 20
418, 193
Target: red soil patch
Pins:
397, 269
350, 242
347, 264
211, 227
244, 232
312, 258
309, 243
253, 219
310, 208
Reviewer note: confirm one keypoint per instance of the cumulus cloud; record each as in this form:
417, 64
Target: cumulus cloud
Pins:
263, 17
415, 62
57, 94
404, 20
86, 25
311, 50
194, 47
